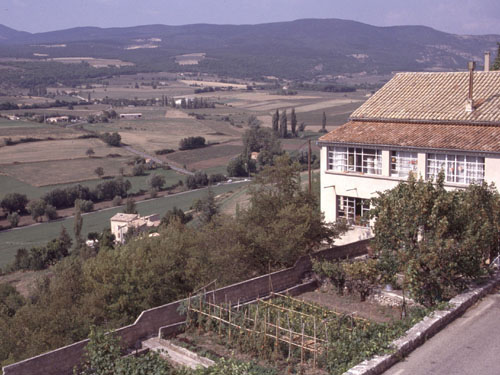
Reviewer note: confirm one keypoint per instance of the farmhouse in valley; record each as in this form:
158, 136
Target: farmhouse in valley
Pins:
121, 223
420, 123
130, 115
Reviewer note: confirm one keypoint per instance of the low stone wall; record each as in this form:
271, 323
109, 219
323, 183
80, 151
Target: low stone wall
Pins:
166, 317
425, 329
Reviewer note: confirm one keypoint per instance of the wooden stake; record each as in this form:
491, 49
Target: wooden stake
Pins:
314, 343
220, 319
229, 321
290, 331
302, 347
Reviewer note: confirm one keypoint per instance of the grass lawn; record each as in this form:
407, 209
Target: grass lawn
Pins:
94, 222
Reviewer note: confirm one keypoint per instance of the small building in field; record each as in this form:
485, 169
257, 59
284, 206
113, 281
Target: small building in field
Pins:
121, 223
57, 120
130, 115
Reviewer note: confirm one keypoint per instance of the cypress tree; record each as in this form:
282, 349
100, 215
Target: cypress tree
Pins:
323, 124
496, 63
283, 125
276, 117
293, 122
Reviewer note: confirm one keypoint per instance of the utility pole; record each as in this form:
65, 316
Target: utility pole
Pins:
309, 165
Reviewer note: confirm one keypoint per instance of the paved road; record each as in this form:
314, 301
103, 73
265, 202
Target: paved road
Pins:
156, 160
468, 346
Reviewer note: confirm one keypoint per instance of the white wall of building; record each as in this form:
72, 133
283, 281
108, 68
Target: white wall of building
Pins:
357, 185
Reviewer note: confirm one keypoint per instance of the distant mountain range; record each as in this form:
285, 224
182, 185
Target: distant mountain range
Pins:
298, 49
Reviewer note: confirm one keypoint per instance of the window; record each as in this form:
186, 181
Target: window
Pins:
354, 210
350, 159
461, 169
402, 163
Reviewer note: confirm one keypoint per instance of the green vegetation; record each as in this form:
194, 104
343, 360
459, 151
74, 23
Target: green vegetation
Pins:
342, 340
439, 240
103, 356
190, 143
101, 288
38, 235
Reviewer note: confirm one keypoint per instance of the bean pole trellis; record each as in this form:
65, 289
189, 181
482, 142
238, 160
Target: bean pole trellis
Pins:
283, 324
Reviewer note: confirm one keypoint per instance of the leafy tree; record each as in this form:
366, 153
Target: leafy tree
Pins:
13, 219
361, 276
139, 170
37, 208
199, 179
496, 63
10, 300
77, 226
156, 181
112, 139
283, 125
206, 207
85, 205
438, 239
50, 212
293, 122
117, 201
275, 122
89, 152
99, 171
14, 202
130, 207
334, 271
191, 143
64, 238
240, 167
323, 124
176, 214
282, 217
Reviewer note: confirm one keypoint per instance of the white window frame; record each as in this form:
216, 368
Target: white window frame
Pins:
403, 162
354, 159
354, 210
458, 169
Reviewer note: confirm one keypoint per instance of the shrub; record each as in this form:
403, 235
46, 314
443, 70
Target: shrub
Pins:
13, 218
14, 202
191, 142
156, 182
85, 205
117, 201
164, 151
199, 179
50, 212
113, 139
37, 208
138, 170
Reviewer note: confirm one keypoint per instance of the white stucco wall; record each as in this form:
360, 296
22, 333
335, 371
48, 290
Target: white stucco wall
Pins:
365, 186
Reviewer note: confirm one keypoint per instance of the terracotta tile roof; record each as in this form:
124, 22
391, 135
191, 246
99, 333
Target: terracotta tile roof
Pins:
436, 97
418, 135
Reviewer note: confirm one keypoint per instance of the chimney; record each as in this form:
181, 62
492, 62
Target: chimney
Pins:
469, 106
487, 61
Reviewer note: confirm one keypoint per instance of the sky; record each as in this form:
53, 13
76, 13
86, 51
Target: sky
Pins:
453, 16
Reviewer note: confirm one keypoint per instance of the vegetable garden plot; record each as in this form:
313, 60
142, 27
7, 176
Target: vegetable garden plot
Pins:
285, 328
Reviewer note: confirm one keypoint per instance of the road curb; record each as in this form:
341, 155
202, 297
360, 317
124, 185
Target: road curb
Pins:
425, 329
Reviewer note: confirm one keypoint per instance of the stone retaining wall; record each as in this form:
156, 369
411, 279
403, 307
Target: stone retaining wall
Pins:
166, 317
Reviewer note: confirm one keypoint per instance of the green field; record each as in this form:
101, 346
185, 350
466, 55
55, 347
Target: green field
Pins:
94, 222
9, 184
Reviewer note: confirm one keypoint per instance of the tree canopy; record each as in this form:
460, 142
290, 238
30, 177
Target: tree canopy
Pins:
438, 239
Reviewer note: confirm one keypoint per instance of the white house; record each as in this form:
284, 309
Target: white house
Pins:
418, 122
130, 115
120, 224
